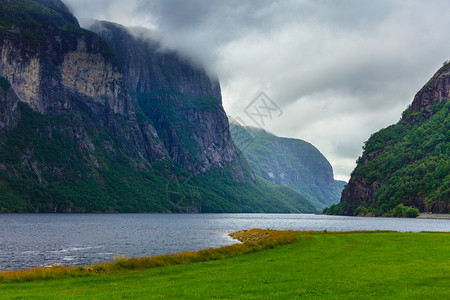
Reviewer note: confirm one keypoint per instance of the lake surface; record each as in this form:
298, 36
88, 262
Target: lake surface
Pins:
28, 240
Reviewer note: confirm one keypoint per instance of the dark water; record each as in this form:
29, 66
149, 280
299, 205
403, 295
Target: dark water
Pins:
28, 240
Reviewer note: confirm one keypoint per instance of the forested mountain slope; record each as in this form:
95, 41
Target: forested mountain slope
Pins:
406, 164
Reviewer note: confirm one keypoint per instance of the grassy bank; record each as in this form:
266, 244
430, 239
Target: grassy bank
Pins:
252, 240
322, 265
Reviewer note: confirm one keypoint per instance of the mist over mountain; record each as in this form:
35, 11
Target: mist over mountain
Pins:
108, 122
340, 70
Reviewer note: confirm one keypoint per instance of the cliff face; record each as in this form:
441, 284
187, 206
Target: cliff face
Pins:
51, 63
407, 163
436, 90
43, 48
289, 162
82, 129
182, 101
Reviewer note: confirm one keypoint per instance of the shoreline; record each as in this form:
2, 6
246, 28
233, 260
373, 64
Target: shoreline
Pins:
247, 241
255, 236
432, 216
317, 265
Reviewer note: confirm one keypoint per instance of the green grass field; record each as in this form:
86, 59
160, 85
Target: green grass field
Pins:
356, 265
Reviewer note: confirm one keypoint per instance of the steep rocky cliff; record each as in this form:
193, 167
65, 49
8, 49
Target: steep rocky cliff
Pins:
84, 130
289, 162
436, 90
183, 102
407, 164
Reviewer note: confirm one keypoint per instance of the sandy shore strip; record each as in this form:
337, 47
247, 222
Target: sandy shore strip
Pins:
434, 216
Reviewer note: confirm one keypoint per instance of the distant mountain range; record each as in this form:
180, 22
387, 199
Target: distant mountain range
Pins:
406, 166
289, 162
102, 120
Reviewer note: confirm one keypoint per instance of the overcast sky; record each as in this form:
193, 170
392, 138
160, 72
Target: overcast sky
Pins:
338, 70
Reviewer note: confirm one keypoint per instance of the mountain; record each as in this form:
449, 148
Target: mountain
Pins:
91, 124
406, 166
289, 162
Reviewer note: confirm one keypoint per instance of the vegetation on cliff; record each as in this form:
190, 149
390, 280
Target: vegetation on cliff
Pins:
406, 164
58, 178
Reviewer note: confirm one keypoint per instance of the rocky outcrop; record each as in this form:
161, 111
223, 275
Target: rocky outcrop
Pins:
89, 73
436, 90
24, 75
359, 191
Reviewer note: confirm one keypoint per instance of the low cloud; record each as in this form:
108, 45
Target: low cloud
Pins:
340, 70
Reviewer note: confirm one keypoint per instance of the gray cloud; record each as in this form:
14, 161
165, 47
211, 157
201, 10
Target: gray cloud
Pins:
340, 70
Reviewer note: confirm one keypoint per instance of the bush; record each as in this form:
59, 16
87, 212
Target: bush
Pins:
399, 211
404, 211
412, 212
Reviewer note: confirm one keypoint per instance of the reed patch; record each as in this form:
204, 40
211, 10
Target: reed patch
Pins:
252, 240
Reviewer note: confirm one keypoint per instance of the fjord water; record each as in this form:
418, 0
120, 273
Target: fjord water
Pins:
28, 240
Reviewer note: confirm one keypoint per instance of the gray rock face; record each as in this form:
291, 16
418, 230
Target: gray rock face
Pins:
359, 191
182, 101
436, 90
